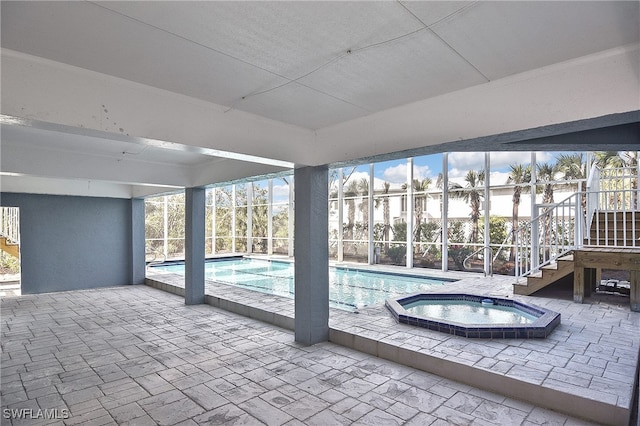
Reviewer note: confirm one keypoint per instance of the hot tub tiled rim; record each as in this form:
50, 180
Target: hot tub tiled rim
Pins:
546, 320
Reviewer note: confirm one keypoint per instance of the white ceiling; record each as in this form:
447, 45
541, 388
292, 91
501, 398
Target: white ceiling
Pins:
308, 64
290, 61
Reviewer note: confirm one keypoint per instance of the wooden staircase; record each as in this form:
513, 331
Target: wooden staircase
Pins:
615, 229
9, 247
612, 229
548, 274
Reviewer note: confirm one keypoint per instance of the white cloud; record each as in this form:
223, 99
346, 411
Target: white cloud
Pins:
461, 162
357, 176
421, 172
280, 192
543, 157
505, 159
398, 174
499, 178
456, 173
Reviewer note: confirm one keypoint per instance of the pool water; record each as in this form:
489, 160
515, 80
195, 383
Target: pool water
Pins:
468, 312
474, 316
348, 288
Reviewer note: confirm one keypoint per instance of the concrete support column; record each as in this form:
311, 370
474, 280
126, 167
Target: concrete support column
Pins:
137, 241
194, 246
311, 255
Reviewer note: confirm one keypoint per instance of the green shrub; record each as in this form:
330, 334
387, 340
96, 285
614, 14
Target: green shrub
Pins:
397, 254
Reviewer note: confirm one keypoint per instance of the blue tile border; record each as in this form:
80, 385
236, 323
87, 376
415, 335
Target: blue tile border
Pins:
546, 320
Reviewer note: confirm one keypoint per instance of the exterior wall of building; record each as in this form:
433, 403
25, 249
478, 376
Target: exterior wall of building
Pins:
72, 243
501, 205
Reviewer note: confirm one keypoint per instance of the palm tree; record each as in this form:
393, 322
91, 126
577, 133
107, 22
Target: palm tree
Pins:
617, 159
440, 180
626, 159
547, 173
573, 167
260, 218
419, 186
350, 192
518, 175
630, 158
386, 213
362, 186
473, 195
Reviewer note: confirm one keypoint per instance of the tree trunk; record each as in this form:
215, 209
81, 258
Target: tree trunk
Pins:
514, 223
387, 221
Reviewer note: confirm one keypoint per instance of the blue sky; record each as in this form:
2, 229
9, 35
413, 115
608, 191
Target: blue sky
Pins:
395, 171
459, 163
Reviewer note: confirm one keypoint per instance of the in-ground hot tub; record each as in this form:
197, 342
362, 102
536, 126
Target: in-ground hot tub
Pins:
469, 315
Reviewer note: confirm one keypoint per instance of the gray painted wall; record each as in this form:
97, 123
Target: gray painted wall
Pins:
71, 243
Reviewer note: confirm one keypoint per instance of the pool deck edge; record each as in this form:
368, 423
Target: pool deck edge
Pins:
533, 393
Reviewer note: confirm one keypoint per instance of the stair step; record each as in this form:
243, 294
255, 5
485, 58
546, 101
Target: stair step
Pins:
603, 221
9, 247
611, 242
617, 214
548, 274
610, 231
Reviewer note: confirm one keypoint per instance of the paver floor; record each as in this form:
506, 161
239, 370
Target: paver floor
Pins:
587, 367
138, 355
592, 354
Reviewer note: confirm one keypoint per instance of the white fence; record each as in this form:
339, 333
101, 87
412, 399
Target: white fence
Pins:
552, 234
613, 208
10, 220
607, 214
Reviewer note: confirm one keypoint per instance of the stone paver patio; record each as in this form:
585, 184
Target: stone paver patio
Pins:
137, 355
587, 367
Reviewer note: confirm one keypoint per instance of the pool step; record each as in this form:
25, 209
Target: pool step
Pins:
548, 274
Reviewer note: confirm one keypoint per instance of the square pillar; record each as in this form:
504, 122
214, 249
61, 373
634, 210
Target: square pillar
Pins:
311, 248
194, 246
138, 251
578, 283
634, 294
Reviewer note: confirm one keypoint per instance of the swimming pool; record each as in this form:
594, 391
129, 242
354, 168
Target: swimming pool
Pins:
349, 288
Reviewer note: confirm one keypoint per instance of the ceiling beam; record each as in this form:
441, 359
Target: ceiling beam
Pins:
590, 87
